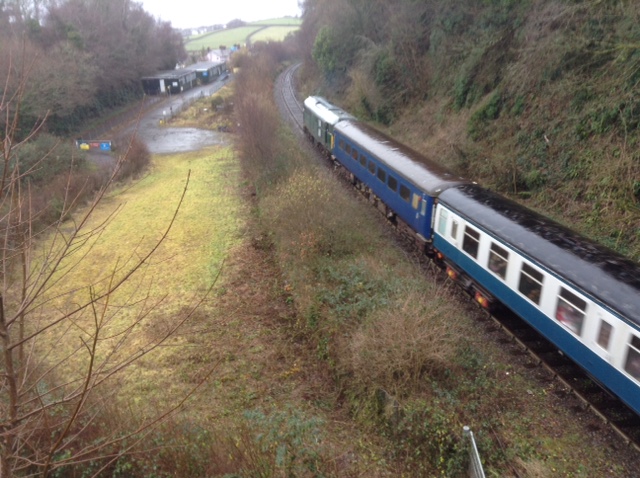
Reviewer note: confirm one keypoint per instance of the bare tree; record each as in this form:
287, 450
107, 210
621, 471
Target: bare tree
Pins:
49, 395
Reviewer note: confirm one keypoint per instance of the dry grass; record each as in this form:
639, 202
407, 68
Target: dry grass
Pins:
402, 344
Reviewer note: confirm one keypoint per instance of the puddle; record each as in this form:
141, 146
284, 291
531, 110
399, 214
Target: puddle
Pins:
180, 140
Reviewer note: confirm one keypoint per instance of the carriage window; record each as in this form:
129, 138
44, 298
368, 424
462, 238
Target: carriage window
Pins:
415, 201
372, 167
341, 144
570, 311
604, 335
454, 230
363, 160
348, 149
442, 222
498, 260
632, 365
392, 183
471, 241
354, 154
531, 283
405, 193
382, 176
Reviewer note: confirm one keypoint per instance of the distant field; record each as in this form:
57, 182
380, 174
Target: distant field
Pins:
275, 33
275, 30
280, 21
223, 37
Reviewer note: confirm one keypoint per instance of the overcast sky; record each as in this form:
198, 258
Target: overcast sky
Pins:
195, 13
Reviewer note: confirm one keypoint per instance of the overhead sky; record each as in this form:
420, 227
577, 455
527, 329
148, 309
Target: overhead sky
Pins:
196, 13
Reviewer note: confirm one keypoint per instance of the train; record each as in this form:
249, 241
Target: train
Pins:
583, 297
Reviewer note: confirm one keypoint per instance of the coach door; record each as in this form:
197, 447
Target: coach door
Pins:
420, 205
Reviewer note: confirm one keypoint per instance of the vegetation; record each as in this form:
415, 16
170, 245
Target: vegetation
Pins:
275, 30
226, 38
71, 61
275, 33
535, 99
401, 355
304, 339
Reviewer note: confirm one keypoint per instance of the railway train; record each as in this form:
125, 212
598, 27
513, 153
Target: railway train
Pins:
583, 297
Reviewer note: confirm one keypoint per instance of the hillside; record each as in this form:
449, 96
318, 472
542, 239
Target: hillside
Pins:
275, 29
536, 99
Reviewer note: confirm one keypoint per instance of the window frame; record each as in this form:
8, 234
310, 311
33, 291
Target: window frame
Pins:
392, 179
498, 261
571, 310
471, 241
531, 280
405, 193
602, 333
633, 357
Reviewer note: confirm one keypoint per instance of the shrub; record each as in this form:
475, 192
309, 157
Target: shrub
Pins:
136, 157
404, 342
47, 156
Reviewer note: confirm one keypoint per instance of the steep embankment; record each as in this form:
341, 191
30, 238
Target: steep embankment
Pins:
536, 99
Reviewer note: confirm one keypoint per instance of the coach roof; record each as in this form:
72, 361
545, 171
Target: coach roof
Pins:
413, 166
602, 273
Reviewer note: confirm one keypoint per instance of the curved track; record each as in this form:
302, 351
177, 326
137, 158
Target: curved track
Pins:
615, 414
286, 93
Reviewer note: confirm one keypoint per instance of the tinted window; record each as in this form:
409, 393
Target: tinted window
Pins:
570, 311
392, 183
454, 229
341, 144
498, 260
471, 241
354, 154
405, 193
632, 364
372, 167
363, 160
382, 176
604, 335
531, 283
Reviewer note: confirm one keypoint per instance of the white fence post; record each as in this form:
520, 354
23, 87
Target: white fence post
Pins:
475, 465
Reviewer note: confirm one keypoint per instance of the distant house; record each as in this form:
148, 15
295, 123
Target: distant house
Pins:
170, 82
218, 56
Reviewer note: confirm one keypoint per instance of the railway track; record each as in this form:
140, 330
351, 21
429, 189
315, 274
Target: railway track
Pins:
523, 339
289, 102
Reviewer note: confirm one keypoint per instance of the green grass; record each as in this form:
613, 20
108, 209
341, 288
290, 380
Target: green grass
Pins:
176, 277
280, 21
227, 38
274, 30
275, 33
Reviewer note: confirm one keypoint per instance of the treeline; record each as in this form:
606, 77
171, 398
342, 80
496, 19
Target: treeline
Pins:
71, 60
536, 99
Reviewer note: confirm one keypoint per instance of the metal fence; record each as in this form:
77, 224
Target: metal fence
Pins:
475, 465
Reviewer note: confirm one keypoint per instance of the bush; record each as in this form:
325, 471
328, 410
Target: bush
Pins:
47, 156
136, 157
404, 342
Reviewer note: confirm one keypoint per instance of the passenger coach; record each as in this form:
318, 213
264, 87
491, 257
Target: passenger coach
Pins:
406, 182
580, 295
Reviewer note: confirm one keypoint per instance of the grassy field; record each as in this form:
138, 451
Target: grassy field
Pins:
280, 21
275, 30
227, 38
275, 33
